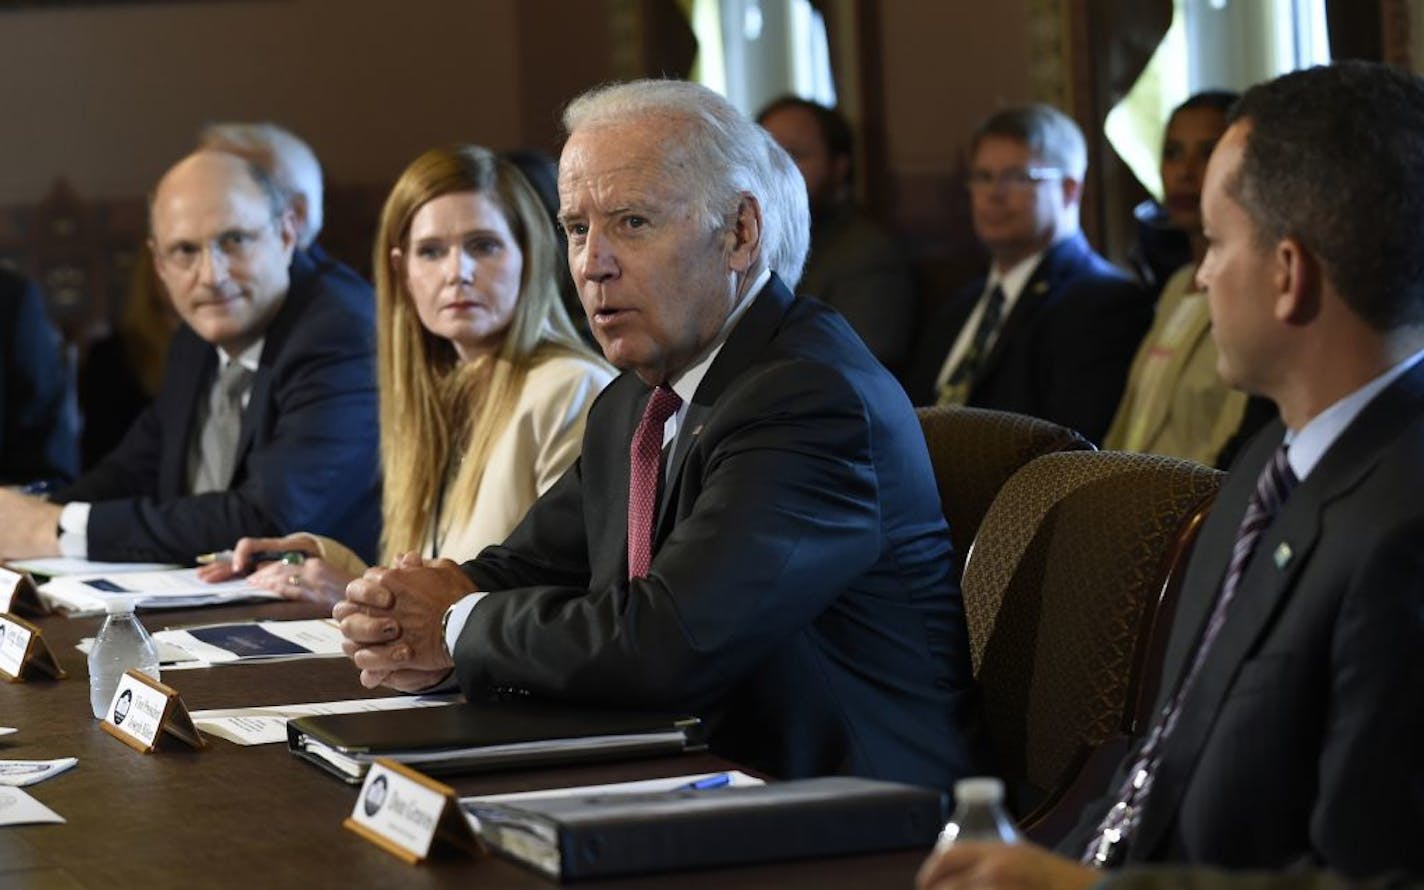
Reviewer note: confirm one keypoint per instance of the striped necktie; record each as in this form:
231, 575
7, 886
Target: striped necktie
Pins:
1115, 832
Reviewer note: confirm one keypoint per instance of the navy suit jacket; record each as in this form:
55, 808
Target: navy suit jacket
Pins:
37, 436
1302, 738
1063, 352
800, 599
307, 458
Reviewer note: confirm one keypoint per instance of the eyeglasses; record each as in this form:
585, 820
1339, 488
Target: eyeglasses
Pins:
235, 245
1016, 178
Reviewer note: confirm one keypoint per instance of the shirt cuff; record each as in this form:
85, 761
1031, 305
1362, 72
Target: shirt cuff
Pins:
74, 530
456, 616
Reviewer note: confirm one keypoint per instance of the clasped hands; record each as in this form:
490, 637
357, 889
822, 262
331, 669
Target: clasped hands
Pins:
392, 620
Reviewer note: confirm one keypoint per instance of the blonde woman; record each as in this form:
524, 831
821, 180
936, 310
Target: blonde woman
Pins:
484, 385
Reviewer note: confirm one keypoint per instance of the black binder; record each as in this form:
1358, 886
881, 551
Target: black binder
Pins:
486, 736
593, 836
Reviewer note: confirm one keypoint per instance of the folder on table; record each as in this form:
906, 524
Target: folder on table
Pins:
603, 835
487, 735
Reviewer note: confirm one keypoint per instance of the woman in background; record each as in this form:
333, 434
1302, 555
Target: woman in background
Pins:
484, 385
1175, 402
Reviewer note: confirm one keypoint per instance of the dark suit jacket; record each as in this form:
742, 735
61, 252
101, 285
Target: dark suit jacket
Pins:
1063, 352
37, 436
800, 597
1303, 735
307, 458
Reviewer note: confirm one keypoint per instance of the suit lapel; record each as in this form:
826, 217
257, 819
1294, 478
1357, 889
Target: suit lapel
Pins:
188, 390
744, 345
1281, 555
303, 269
1056, 262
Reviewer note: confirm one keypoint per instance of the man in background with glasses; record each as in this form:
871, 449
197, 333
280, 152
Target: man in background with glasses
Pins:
1052, 329
273, 364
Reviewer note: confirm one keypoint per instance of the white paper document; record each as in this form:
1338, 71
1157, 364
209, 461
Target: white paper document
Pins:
256, 640
18, 808
28, 772
54, 566
172, 589
268, 725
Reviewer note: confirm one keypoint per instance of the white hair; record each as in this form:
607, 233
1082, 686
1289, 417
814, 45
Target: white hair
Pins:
287, 159
786, 215
721, 154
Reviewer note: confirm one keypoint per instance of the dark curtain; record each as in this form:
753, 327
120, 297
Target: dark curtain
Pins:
1112, 42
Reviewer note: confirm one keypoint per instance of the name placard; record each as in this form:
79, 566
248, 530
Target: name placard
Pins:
23, 651
142, 708
402, 811
19, 595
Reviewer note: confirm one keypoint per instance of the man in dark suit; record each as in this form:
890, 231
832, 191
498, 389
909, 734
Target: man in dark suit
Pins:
791, 582
1052, 329
265, 420
855, 265
1292, 722
37, 438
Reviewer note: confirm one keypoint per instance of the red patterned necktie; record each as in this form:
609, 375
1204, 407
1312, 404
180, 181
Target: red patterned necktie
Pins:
644, 476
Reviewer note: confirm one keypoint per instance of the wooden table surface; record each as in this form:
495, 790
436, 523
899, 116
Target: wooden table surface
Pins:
257, 817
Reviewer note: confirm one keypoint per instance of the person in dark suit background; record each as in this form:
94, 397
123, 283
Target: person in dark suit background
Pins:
792, 582
1292, 721
121, 373
1052, 329
854, 264
265, 382
37, 439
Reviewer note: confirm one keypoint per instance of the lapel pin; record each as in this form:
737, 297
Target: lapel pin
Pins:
1283, 555
1040, 288
696, 431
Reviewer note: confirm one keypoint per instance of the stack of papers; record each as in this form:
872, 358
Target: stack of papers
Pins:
171, 589
268, 725
54, 566
256, 641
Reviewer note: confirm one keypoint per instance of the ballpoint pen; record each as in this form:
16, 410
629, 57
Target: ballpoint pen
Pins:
287, 557
717, 780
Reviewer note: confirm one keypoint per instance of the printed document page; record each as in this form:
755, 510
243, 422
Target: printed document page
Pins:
268, 725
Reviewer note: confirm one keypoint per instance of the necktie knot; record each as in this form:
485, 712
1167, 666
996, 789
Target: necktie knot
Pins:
662, 404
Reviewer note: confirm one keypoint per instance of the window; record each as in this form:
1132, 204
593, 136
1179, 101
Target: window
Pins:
1224, 44
753, 51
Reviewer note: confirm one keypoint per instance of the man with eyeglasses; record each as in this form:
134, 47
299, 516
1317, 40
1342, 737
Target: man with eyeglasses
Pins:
266, 380
1052, 329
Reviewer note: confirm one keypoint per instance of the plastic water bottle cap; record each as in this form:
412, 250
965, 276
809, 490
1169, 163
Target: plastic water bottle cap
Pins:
981, 789
119, 605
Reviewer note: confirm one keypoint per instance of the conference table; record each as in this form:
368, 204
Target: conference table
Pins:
257, 817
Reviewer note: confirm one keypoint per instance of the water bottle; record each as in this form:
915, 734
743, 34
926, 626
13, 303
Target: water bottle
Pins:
979, 815
121, 644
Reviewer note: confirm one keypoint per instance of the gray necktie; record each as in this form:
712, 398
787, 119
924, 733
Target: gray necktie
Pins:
218, 441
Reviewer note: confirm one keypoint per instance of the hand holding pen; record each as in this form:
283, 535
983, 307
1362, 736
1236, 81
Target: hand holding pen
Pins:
250, 553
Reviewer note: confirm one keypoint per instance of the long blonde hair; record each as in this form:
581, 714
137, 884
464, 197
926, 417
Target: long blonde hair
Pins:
438, 416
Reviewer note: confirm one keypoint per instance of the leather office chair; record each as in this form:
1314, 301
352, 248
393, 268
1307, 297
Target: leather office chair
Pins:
974, 452
1069, 593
